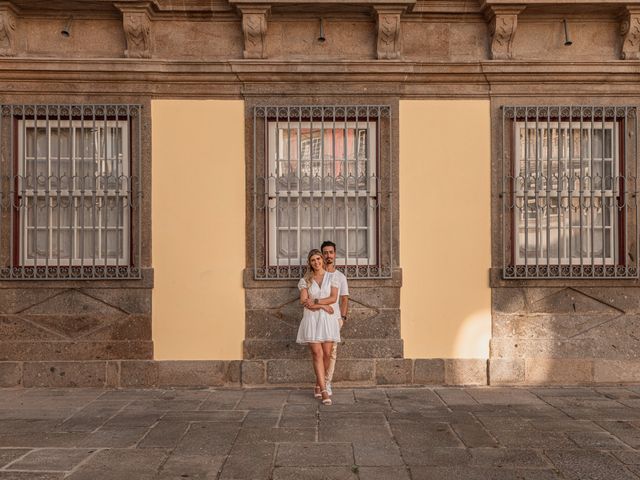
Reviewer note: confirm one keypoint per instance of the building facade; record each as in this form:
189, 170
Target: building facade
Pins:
166, 166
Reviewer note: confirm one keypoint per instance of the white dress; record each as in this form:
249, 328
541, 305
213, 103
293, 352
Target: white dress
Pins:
317, 325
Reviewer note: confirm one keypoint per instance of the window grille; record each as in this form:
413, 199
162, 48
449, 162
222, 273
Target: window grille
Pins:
70, 192
569, 187
317, 176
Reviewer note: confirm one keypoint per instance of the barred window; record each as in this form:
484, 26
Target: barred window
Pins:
70, 192
320, 182
569, 202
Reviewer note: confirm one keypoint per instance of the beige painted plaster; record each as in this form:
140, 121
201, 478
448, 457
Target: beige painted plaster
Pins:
445, 228
198, 229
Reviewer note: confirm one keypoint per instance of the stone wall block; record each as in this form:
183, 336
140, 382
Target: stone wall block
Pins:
72, 302
615, 371
626, 299
428, 371
255, 349
19, 329
269, 324
506, 371
15, 300
130, 327
507, 300
357, 371
394, 371
64, 374
270, 298
113, 374
533, 295
135, 373
561, 371
290, 371
559, 326
350, 348
541, 348
202, 373
10, 374
131, 300
369, 323
570, 301
465, 371
374, 297
253, 372
25, 351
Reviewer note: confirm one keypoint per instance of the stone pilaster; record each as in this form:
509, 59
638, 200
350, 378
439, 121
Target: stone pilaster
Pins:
630, 31
389, 45
254, 28
138, 28
503, 22
7, 29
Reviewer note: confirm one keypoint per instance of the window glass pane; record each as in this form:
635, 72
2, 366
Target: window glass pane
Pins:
37, 243
61, 243
287, 244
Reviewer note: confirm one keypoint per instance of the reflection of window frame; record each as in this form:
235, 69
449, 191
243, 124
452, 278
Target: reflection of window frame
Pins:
363, 132
570, 186
100, 187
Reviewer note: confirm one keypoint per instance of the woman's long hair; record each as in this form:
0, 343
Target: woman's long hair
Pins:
309, 273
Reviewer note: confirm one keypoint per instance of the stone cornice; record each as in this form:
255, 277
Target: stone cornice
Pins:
19, 73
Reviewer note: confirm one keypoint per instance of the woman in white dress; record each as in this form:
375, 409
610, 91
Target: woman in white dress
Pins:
320, 325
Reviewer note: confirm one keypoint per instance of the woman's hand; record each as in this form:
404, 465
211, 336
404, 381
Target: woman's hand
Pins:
327, 308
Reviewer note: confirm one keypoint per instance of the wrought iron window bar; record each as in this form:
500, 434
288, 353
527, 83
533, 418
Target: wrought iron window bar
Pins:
70, 192
569, 204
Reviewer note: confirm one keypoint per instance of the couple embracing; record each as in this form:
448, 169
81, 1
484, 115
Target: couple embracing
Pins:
324, 293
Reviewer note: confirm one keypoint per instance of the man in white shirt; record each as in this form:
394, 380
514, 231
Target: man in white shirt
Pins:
328, 250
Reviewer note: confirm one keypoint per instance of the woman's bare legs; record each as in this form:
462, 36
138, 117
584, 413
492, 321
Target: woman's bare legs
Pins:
317, 357
326, 354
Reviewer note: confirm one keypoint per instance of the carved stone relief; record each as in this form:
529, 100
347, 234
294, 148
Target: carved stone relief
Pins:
7, 32
254, 28
388, 22
138, 31
503, 23
630, 31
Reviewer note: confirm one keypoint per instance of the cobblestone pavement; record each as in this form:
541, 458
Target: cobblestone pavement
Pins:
380, 433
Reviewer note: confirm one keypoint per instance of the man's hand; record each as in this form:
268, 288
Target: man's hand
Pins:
309, 303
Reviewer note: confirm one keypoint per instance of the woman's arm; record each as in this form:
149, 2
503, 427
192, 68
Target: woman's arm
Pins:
304, 296
331, 299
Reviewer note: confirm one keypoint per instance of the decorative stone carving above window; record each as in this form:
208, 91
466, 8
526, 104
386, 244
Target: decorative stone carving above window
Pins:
254, 29
138, 28
387, 12
7, 29
503, 21
388, 23
630, 31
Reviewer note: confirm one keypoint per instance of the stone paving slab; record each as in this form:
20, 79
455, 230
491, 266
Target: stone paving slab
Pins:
482, 433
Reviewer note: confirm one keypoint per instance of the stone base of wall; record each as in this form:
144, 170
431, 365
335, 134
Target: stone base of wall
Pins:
298, 372
240, 373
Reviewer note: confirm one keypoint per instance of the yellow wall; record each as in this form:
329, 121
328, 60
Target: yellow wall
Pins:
445, 228
198, 229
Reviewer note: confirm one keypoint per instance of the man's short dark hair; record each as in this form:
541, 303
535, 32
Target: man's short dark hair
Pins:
327, 243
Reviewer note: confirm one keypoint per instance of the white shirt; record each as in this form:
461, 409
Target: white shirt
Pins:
343, 289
